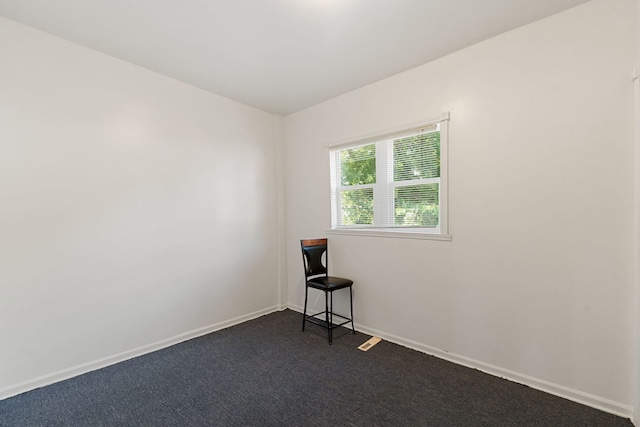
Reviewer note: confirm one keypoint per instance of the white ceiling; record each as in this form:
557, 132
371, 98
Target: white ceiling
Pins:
278, 55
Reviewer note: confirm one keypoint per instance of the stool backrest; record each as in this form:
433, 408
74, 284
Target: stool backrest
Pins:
313, 251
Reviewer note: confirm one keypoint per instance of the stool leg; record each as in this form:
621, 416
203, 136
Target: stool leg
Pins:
331, 317
353, 329
326, 314
304, 313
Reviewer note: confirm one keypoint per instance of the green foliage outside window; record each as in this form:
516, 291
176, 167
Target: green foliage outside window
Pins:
357, 206
416, 205
358, 165
414, 157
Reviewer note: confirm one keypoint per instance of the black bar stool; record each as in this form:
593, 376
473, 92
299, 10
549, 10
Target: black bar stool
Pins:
317, 276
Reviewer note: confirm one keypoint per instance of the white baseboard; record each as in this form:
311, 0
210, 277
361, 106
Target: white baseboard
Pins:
74, 371
578, 396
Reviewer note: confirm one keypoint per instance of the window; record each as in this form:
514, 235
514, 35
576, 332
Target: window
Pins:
394, 183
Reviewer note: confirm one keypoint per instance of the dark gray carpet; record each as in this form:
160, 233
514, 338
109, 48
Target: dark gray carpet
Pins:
266, 372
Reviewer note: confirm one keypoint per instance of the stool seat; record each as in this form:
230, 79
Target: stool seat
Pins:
329, 282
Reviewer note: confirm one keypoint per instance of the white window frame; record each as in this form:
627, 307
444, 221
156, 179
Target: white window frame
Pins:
383, 203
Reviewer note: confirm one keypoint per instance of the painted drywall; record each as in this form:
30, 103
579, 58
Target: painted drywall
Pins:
133, 208
536, 283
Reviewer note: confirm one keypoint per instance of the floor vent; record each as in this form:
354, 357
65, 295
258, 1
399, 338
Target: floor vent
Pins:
370, 343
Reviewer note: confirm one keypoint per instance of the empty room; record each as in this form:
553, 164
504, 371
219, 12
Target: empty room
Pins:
473, 165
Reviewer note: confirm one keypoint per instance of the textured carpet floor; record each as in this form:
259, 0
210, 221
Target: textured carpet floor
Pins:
266, 372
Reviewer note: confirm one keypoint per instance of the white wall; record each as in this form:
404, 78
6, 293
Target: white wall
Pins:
133, 209
537, 283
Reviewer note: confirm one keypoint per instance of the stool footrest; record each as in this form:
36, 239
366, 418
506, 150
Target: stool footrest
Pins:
311, 318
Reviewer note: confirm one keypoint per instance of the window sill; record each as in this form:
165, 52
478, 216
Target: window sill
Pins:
390, 234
